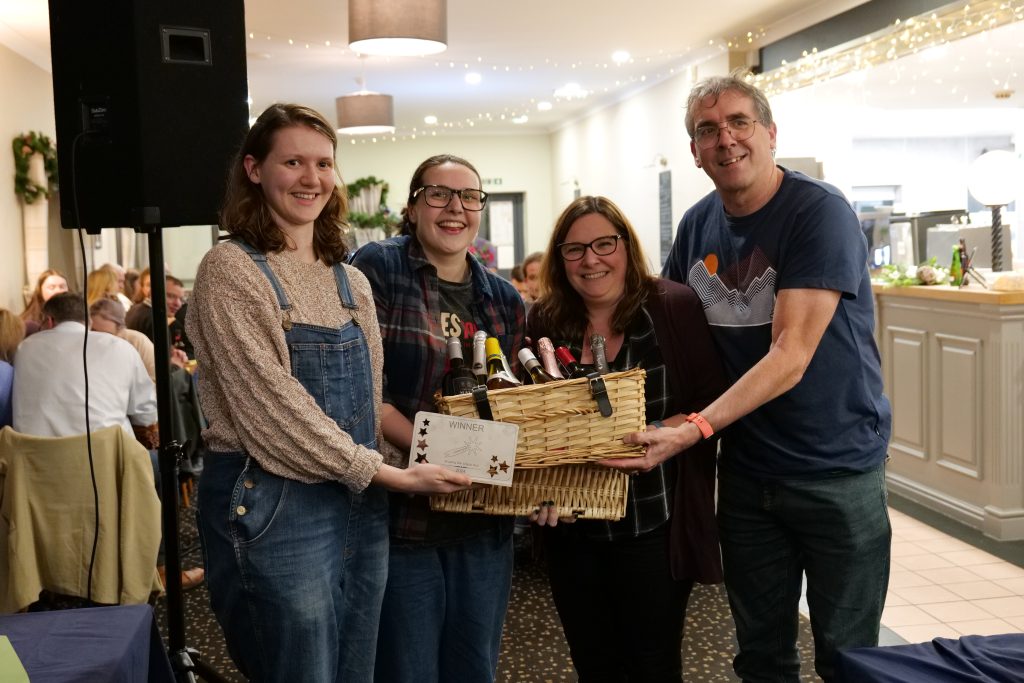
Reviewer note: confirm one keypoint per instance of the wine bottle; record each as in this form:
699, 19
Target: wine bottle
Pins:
600, 359
956, 270
480, 357
546, 351
568, 361
459, 379
497, 376
533, 366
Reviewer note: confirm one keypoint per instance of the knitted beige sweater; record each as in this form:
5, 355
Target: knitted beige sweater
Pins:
246, 389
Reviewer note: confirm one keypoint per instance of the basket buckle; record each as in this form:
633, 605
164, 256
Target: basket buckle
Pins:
483, 407
600, 393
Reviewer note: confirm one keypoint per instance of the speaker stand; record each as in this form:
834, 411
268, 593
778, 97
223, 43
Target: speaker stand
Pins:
184, 660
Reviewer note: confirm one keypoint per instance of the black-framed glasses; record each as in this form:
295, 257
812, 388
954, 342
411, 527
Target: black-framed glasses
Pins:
439, 196
602, 246
741, 128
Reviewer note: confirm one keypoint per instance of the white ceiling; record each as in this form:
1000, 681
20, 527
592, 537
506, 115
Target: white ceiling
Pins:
525, 49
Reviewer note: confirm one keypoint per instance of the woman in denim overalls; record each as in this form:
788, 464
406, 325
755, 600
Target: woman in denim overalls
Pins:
295, 539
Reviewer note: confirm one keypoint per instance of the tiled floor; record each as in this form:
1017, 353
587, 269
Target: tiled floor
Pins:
941, 586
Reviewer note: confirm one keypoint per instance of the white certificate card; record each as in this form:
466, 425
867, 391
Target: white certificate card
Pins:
483, 450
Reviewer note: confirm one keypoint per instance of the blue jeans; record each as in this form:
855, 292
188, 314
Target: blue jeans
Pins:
296, 571
836, 529
443, 611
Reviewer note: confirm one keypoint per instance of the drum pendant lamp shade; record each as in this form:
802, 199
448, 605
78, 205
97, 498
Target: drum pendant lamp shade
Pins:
365, 113
398, 27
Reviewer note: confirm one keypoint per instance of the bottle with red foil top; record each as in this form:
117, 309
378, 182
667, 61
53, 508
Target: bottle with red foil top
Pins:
568, 362
546, 351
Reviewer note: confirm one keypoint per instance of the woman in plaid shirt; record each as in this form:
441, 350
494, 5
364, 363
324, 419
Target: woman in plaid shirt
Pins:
449, 574
621, 588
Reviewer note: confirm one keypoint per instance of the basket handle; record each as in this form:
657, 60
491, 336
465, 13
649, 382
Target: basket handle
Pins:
600, 393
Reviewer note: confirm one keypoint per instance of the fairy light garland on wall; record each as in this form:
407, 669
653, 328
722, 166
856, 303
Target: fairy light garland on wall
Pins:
901, 39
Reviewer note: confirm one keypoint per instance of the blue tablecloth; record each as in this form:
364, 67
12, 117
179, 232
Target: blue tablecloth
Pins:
94, 645
971, 659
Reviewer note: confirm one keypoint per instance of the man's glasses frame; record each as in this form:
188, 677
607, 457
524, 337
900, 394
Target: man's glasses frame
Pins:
740, 128
602, 246
433, 195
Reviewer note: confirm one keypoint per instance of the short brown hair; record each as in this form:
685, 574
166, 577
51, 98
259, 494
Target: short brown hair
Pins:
560, 310
65, 307
12, 331
715, 86
245, 213
416, 183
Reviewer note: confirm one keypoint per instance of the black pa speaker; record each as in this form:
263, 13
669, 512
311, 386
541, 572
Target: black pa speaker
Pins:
150, 103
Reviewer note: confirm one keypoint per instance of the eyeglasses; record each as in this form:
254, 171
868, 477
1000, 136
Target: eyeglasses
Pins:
439, 197
740, 129
602, 246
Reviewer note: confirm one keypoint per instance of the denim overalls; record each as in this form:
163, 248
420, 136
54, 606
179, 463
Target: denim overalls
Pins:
296, 571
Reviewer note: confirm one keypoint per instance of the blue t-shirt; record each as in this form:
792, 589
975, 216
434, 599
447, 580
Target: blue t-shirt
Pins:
836, 419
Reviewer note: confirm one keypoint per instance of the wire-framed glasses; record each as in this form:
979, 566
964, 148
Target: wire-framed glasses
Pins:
602, 246
440, 196
706, 135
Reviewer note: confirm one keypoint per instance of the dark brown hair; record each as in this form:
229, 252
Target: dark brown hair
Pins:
139, 296
408, 228
66, 307
559, 309
245, 213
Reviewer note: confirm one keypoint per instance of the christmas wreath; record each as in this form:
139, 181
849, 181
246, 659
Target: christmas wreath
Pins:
24, 147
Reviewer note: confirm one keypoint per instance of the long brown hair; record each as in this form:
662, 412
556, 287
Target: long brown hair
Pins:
140, 295
416, 183
12, 331
34, 310
245, 213
559, 309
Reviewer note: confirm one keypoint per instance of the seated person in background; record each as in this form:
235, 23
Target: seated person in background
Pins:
101, 284
107, 316
49, 386
50, 282
12, 331
119, 273
131, 285
141, 316
531, 273
519, 280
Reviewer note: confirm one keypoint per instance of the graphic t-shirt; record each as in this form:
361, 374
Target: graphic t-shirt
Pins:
456, 314
807, 236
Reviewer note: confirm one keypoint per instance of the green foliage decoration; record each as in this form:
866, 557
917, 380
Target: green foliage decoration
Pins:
24, 146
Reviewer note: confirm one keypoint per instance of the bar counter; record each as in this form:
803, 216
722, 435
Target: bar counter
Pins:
953, 367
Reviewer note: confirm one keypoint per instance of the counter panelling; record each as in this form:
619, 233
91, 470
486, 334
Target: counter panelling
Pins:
953, 367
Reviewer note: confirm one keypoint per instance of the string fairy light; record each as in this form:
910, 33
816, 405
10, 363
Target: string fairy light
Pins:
927, 31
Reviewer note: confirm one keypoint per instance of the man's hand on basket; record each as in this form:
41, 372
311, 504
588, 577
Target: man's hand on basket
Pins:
661, 444
546, 514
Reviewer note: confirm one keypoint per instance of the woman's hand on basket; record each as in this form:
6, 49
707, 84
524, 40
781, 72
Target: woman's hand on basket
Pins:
546, 514
660, 445
425, 479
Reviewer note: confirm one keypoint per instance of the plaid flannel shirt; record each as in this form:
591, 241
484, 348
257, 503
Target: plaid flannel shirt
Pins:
405, 290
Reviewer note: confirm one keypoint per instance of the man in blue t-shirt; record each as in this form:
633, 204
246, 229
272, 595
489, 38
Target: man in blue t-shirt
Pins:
779, 262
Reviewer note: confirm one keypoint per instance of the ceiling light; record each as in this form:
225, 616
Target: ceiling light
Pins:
398, 27
571, 91
473, 78
521, 119
620, 56
365, 112
543, 105
430, 120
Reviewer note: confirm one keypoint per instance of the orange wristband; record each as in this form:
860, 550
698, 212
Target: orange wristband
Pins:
703, 425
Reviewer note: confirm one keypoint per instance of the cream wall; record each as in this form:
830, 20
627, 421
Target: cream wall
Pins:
27, 105
523, 163
616, 152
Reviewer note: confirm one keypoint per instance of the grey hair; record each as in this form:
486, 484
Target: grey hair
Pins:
110, 309
715, 86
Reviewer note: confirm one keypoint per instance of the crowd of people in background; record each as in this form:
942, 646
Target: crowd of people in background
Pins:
324, 558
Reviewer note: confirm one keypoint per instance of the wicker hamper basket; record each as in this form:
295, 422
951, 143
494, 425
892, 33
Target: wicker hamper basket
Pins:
560, 431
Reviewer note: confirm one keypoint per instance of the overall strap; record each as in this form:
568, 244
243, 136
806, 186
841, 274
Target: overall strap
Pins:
260, 260
344, 290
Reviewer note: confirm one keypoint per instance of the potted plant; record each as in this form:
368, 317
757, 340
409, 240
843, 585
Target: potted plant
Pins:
28, 184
